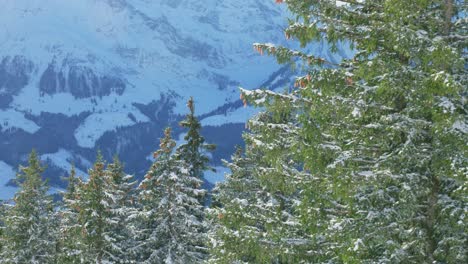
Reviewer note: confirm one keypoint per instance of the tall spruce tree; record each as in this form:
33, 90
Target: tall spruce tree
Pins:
95, 220
29, 235
173, 215
122, 208
256, 218
70, 240
384, 131
95, 215
194, 150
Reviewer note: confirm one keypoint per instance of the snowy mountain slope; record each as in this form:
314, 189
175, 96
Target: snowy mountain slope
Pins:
82, 75
76, 45
8, 173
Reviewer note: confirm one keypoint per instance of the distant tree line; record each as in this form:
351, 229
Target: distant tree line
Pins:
109, 218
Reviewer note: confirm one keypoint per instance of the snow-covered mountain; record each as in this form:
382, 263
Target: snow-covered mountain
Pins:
81, 75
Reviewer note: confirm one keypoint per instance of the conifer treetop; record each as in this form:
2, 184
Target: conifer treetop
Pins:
30, 232
30, 175
193, 150
72, 183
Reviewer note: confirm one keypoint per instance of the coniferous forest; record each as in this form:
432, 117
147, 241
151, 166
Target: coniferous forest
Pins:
362, 161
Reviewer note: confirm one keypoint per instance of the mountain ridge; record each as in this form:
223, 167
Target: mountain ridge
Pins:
84, 75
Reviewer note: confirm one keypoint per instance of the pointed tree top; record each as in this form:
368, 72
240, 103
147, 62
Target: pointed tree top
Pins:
116, 160
116, 165
99, 157
72, 176
191, 105
100, 163
72, 183
167, 143
73, 170
35, 162
33, 155
34, 167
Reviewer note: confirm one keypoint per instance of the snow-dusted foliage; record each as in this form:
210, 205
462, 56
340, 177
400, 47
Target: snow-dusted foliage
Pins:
172, 228
256, 212
94, 214
384, 132
70, 242
120, 232
29, 233
194, 150
363, 161
96, 227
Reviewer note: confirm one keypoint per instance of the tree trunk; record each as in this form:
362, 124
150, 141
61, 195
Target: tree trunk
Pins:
431, 218
448, 16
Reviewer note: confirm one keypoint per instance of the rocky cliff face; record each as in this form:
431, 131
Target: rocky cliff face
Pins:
80, 81
81, 75
15, 73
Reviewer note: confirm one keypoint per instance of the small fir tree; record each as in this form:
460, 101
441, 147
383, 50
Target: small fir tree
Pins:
70, 242
175, 231
122, 208
194, 150
94, 214
30, 233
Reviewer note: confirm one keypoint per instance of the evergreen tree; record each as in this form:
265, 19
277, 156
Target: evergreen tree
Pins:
234, 235
257, 219
122, 208
194, 150
174, 228
29, 235
385, 131
94, 214
70, 242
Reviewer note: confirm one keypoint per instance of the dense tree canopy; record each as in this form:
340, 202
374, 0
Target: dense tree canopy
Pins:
385, 131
